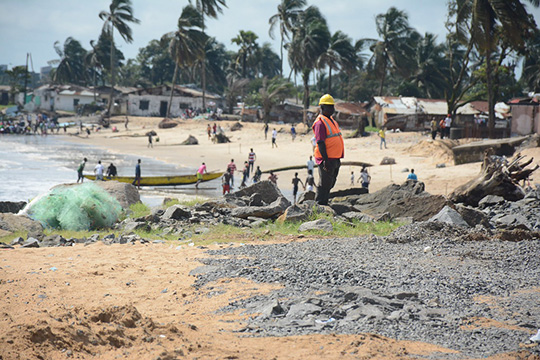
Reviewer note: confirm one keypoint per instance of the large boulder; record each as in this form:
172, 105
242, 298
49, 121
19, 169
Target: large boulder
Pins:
268, 191
348, 192
191, 140
126, 194
473, 216
176, 212
12, 223
318, 225
274, 209
305, 196
237, 126
11, 206
167, 123
449, 216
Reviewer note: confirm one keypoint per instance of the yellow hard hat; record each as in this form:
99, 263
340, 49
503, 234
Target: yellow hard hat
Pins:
327, 99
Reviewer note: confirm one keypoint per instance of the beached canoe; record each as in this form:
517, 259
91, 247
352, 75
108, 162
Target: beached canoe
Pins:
161, 180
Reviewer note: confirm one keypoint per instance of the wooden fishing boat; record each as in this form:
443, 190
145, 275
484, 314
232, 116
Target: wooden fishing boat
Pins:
161, 180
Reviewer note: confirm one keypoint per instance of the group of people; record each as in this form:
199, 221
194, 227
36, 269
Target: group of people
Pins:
443, 127
42, 124
112, 172
248, 169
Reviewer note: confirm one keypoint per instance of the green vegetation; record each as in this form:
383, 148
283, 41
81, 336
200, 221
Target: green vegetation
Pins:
139, 210
371, 129
6, 239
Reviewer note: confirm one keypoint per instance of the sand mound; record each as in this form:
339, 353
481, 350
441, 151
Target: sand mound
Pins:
439, 151
81, 332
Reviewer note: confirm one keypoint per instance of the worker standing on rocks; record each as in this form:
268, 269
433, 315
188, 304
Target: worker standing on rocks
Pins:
329, 150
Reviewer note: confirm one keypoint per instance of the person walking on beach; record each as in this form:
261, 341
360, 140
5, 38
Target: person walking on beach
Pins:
272, 177
214, 129
433, 129
150, 140
232, 168
295, 182
382, 135
126, 123
98, 170
111, 171
365, 178
137, 175
310, 181
266, 131
310, 164
447, 125
274, 137
293, 132
226, 182
251, 159
442, 125
200, 172
412, 176
80, 170
209, 131
245, 175
330, 148
352, 178
257, 175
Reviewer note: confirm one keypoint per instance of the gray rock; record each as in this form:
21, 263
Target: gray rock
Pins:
449, 216
31, 243
473, 216
17, 241
272, 309
52, 241
388, 161
275, 208
191, 140
341, 208
296, 213
11, 206
126, 194
490, 200
319, 224
299, 311
13, 223
354, 215
305, 196
256, 200
513, 221
368, 311
176, 212
268, 191
134, 225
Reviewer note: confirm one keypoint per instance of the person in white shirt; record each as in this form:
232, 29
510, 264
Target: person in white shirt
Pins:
310, 164
98, 170
447, 125
274, 137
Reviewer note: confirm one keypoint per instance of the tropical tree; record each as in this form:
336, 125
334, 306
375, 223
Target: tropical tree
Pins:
71, 66
266, 61
187, 43
235, 88
531, 63
247, 41
430, 67
310, 39
273, 92
209, 8
393, 49
18, 76
288, 11
339, 53
118, 17
217, 60
93, 64
157, 66
489, 19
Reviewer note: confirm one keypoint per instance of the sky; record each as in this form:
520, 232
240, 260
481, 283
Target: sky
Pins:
33, 26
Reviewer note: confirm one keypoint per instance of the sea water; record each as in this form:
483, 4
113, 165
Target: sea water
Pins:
31, 164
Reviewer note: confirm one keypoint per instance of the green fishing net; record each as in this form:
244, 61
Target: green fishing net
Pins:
81, 207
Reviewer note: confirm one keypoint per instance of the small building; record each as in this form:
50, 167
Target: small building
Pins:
155, 101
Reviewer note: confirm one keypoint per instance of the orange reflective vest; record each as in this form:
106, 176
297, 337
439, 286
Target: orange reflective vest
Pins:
335, 149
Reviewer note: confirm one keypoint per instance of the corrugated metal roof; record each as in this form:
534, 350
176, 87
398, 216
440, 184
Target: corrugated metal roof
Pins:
76, 93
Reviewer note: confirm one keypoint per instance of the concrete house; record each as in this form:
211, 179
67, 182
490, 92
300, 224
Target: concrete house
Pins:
525, 115
154, 101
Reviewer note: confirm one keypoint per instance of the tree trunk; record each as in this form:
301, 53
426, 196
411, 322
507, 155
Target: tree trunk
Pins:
383, 76
203, 70
281, 57
330, 80
305, 78
491, 105
497, 177
172, 90
112, 74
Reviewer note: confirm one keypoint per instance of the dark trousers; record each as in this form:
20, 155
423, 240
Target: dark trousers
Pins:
327, 180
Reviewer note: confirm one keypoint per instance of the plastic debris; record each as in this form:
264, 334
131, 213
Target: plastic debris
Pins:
82, 207
54, 268
536, 337
325, 321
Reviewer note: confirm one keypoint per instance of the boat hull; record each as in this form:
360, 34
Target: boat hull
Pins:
161, 180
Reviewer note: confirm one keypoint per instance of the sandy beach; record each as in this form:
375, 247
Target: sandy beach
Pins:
410, 150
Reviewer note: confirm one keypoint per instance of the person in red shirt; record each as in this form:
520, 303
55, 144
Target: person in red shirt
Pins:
232, 168
329, 150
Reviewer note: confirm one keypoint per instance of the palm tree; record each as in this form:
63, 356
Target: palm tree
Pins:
247, 40
339, 52
272, 92
235, 88
186, 43
93, 63
485, 17
71, 66
531, 64
119, 15
310, 39
287, 13
393, 48
429, 68
209, 8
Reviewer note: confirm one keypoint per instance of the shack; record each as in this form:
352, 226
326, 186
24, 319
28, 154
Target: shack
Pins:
525, 115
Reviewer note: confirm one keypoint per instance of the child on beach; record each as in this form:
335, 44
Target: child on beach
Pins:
295, 182
352, 178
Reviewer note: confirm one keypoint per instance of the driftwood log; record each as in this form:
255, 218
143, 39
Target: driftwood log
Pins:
498, 176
